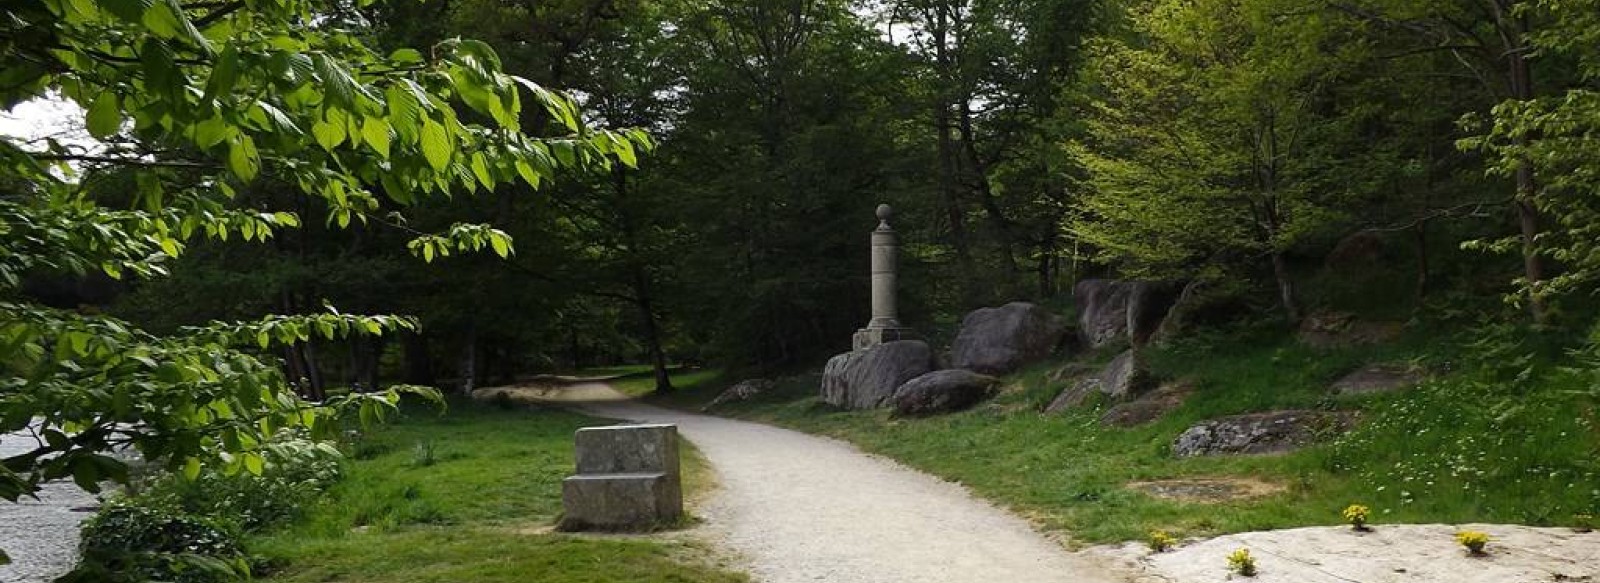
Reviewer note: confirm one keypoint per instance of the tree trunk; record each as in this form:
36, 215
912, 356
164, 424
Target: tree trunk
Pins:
469, 361
1514, 34
1286, 295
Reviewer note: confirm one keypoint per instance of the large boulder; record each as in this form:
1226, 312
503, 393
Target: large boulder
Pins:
865, 379
942, 391
1268, 432
1111, 310
1001, 340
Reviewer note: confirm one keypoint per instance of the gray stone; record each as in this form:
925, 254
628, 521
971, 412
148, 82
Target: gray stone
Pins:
1149, 407
866, 379
622, 449
620, 502
942, 391
628, 479
1125, 376
1378, 378
1111, 310
1268, 432
1340, 329
1004, 339
741, 391
1075, 394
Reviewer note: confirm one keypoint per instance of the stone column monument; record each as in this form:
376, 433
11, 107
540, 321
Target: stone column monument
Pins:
885, 324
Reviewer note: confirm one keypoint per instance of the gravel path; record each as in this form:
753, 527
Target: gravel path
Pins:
40, 535
799, 508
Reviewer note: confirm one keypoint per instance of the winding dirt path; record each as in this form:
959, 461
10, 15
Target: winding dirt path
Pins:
799, 508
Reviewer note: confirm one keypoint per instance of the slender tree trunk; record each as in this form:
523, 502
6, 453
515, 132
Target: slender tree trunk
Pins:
1286, 293
469, 361
1514, 34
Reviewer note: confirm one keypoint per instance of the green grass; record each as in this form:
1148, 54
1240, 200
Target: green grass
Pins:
477, 509
640, 384
1463, 447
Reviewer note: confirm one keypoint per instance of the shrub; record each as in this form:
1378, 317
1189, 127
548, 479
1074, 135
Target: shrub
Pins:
135, 543
1160, 541
1242, 563
1583, 522
1473, 540
295, 473
1356, 516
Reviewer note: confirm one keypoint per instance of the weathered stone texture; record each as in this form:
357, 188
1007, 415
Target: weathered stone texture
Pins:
1149, 407
866, 379
1268, 432
1377, 378
942, 391
1125, 377
1004, 339
628, 479
1110, 310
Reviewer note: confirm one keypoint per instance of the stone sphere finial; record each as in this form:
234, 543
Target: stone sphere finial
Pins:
885, 213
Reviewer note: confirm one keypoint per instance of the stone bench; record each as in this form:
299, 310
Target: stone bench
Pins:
628, 479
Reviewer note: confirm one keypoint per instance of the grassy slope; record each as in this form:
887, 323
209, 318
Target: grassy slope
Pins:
1437, 453
479, 512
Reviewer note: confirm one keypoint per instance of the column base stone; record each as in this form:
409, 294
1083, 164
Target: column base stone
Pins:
869, 337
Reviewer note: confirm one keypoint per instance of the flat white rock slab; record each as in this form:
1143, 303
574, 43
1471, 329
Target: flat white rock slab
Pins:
1420, 553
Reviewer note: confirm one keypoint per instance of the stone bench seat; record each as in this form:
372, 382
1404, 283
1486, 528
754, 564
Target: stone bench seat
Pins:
628, 480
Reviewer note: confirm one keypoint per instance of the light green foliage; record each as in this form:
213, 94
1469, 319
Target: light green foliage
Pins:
1557, 136
1204, 147
197, 103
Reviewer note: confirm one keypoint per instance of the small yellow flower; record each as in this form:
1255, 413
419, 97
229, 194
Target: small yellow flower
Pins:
1473, 540
1356, 515
1242, 563
1160, 541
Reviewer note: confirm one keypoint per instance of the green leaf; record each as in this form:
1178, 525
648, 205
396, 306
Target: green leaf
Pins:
436, 144
243, 160
406, 56
128, 10
525, 170
162, 20
376, 133
254, 463
104, 117
480, 169
501, 244
224, 74
340, 88
328, 134
210, 132
191, 469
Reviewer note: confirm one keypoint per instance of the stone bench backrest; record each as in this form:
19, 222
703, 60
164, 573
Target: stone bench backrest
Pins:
624, 449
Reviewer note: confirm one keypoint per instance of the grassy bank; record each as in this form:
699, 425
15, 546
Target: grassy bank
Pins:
1481, 445
470, 496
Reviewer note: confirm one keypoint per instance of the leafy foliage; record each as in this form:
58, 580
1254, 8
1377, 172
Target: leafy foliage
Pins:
196, 104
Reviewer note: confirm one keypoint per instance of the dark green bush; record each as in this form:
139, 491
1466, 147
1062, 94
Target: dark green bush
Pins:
187, 531
129, 542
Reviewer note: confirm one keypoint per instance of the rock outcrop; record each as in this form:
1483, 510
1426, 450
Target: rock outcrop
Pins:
942, 391
1149, 407
1337, 329
1268, 432
1125, 377
741, 391
1110, 310
1377, 378
866, 379
1001, 340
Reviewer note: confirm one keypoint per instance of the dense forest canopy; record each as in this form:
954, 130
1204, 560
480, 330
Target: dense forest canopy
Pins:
348, 158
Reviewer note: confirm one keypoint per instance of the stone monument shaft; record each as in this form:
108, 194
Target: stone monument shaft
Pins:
885, 323
885, 252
